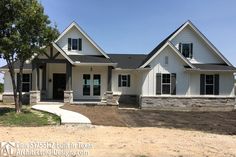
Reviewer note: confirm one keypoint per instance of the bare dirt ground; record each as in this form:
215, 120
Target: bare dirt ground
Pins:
140, 133
129, 142
212, 122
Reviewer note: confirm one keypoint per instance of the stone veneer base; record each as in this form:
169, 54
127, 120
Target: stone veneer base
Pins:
188, 103
68, 97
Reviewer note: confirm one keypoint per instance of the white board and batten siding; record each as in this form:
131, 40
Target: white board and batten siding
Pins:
134, 89
87, 47
202, 53
175, 65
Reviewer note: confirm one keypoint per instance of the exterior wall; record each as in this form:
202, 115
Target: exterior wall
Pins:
226, 83
77, 80
201, 51
188, 103
176, 65
134, 85
8, 89
87, 47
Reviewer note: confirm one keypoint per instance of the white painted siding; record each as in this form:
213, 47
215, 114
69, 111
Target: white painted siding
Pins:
201, 51
176, 65
226, 83
87, 47
77, 80
134, 88
8, 89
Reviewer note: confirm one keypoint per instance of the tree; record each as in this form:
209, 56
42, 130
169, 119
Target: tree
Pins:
30, 32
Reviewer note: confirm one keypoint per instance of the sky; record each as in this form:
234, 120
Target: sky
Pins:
137, 26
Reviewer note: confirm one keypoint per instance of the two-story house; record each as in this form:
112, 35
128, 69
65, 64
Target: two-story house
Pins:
184, 71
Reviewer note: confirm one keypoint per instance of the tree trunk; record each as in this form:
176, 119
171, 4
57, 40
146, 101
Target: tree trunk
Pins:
12, 73
20, 83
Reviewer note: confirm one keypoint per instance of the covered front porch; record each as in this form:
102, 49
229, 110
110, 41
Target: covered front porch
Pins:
56, 78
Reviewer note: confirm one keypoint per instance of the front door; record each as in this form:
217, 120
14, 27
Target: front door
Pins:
91, 85
59, 85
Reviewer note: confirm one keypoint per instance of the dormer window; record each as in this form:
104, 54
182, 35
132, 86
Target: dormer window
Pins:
186, 49
74, 44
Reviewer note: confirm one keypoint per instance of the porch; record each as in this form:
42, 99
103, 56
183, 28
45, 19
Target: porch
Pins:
65, 79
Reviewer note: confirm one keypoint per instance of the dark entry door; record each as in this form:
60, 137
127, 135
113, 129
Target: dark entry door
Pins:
59, 85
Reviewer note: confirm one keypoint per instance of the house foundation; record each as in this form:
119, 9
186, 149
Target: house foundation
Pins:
188, 103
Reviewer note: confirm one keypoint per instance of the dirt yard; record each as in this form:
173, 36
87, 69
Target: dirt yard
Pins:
129, 142
212, 122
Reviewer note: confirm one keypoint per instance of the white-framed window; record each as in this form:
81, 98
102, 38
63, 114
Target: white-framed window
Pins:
166, 84
186, 49
124, 80
74, 44
209, 84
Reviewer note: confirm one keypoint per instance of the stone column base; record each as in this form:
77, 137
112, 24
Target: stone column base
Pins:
68, 97
110, 99
43, 95
34, 97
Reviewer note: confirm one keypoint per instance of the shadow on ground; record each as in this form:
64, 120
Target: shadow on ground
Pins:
213, 122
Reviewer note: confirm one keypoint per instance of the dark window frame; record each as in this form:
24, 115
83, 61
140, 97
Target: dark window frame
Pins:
189, 53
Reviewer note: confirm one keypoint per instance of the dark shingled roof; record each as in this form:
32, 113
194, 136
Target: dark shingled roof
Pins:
17, 65
127, 61
220, 67
89, 59
159, 46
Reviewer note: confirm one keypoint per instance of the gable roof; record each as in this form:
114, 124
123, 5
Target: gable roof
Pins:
167, 43
175, 33
127, 61
189, 23
74, 24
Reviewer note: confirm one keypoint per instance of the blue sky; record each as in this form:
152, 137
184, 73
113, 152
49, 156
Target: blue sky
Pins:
137, 26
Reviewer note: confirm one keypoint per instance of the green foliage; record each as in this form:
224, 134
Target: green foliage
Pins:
1, 87
28, 117
24, 30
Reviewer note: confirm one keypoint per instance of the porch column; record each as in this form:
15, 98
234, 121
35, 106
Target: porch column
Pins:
35, 93
110, 99
44, 79
109, 79
68, 93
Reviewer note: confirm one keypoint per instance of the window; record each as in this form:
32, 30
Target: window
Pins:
75, 44
166, 84
166, 60
124, 81
209, 84
186, 49
26, 82
96, 85
86, 84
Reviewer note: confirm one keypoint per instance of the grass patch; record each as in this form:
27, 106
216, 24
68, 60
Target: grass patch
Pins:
28, 117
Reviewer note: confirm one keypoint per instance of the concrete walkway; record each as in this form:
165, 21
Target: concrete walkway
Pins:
67, 117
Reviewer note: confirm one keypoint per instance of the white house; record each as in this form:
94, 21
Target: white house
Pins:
184, 71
